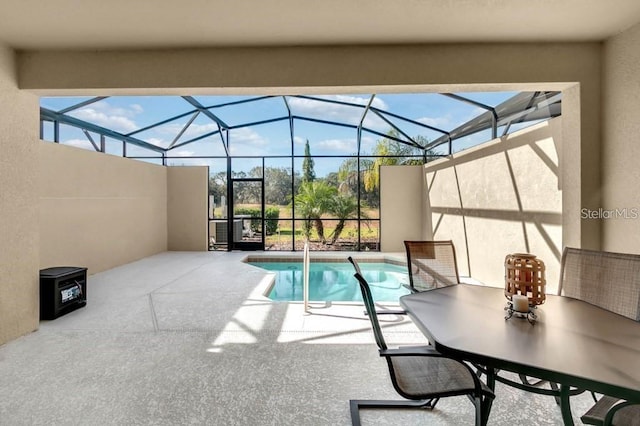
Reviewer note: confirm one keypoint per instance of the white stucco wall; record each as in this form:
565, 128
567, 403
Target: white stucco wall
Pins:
19, 285
187, 205
99, 211
501, 197
621, 142
402, 213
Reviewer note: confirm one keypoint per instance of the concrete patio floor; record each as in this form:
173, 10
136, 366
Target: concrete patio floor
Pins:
188, 338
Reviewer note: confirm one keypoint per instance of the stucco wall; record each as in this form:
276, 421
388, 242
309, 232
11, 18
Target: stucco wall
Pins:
98, 210
402, 216
621, 142
187, 204
18, 205
501, 197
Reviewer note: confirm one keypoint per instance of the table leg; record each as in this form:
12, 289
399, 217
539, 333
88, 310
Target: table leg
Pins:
491, 378
565, 406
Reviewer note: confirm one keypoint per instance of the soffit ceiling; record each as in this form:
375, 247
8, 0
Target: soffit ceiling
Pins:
151, 24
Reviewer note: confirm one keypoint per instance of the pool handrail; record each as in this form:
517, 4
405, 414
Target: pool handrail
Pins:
305, 277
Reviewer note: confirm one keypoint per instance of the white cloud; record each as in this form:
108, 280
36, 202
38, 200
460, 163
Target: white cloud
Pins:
372, 121
246, 136
362, 100
119, 124
449, 122
340, 113
194, 130
165, 134
337, 146
200, 129
472, 114
247, 141
440, 122
137, 108
183, 153
243, 140
367, 144
157, 142
105, 115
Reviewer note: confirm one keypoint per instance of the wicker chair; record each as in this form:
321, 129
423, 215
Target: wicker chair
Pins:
431, 264
612, 282
421, 374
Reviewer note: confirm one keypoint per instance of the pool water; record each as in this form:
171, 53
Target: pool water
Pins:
330, 281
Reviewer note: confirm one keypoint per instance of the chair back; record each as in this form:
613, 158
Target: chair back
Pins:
608, 280
431, 264
369, 305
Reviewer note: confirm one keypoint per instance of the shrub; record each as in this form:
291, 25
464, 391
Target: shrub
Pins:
255, 223
271, 215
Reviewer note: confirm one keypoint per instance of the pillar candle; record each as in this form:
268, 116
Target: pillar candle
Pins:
520, 303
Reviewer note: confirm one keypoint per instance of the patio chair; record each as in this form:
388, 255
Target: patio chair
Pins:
605, 279
380, 311
431, 264
421, 374
610, 281
612, 411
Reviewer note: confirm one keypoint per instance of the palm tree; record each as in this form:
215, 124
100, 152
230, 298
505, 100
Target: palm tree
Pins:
348, 173
304, 208
312, 201
342, 207
390, 152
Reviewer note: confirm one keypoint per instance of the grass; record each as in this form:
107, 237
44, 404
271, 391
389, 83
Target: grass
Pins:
368, 231
285, 211
349, 235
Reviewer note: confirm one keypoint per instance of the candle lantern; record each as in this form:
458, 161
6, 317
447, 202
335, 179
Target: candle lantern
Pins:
524, 275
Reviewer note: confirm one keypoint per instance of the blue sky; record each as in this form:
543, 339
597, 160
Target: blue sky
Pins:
127, 114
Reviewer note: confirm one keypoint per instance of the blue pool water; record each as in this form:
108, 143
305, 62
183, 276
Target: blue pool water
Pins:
335, 281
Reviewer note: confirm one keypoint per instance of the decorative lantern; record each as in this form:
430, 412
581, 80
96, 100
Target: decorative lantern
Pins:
524, 275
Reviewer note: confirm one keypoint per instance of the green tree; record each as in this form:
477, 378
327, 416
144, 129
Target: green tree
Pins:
343, 207
271, 215
372, 175
277, 183
312, 201
348, 174
218, 188
348, 180
390, 152
218, 185
331, 179
308, 174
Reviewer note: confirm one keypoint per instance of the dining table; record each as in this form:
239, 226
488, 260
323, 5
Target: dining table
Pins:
572, 344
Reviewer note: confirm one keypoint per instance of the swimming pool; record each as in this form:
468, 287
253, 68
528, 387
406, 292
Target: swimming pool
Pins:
332, 281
